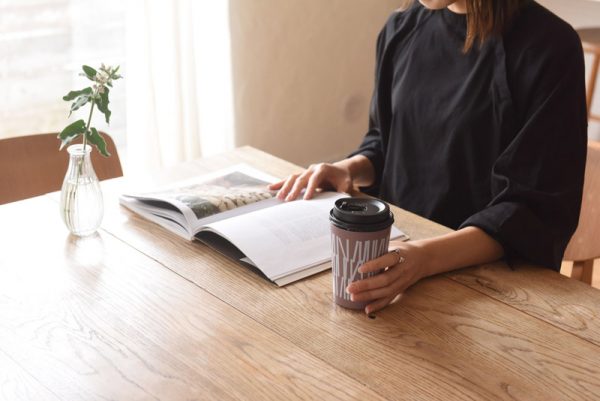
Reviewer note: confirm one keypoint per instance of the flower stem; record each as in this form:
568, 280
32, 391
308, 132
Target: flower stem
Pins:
87, 127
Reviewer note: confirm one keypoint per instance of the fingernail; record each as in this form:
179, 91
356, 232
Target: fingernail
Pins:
352, 298
348, 290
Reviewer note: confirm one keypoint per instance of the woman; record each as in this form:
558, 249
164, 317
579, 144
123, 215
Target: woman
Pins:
478, 122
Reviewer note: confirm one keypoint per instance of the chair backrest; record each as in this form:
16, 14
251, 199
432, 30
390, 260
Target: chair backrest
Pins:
32, 165
590, 41
585, 243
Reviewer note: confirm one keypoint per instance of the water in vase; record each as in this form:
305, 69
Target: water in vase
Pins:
82, 205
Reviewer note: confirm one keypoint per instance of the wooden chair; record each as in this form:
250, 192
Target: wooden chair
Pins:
584, 246
590, 40
33, 165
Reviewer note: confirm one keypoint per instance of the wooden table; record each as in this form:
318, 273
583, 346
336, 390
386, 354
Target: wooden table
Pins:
135, 313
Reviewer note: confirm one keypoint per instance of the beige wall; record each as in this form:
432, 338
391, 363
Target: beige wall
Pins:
303, 74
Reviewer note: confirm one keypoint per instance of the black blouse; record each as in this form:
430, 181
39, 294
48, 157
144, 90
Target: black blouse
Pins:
494, 138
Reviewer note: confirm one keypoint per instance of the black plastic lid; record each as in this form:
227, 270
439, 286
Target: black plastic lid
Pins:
359, 214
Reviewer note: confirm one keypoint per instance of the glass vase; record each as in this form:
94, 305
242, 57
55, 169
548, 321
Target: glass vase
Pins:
81, 203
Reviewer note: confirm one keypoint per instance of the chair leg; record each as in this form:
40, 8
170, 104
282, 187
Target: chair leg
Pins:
577, 271
588, 270
583, 271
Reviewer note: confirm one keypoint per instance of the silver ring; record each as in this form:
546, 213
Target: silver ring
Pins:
400, 257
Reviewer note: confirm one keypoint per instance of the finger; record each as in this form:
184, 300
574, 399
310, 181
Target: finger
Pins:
379, 304
371, 283
313, 184
299, 185
375, 282
372, 295
375, 265
276, 185
285, 189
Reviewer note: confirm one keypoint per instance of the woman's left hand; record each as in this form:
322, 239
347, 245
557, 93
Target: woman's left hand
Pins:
402, 269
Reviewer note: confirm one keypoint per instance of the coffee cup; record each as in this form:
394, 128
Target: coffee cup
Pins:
360, 231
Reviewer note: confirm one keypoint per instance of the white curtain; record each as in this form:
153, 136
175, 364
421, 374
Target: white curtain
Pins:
179, 90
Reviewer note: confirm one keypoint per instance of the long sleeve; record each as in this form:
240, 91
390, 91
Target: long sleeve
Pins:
537, 181
372, 145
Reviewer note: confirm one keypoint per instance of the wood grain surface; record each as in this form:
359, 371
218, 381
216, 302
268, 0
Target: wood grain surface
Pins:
442, 361
93, 319
447, 338
16, 384
563, 302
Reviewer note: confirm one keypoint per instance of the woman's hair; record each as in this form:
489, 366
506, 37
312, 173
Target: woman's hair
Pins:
486, 18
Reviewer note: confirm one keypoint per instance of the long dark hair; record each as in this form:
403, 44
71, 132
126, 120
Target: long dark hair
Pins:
486, 18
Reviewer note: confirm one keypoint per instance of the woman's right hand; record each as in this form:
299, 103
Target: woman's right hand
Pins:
317, 176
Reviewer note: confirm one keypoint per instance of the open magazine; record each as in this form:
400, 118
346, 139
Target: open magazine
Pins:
233, 211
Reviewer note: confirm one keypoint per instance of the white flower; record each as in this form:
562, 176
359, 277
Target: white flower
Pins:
98, 88
102, 77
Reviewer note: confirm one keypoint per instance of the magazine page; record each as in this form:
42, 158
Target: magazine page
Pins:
202, 200
286, 238
169, 219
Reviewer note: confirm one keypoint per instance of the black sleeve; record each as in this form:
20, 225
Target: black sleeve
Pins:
372, 145
537, 181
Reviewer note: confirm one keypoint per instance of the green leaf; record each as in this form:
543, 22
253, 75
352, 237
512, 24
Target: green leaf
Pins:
89, 72
102, 103
114, 74
73, 94
96, 139
79, 102
71, 132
